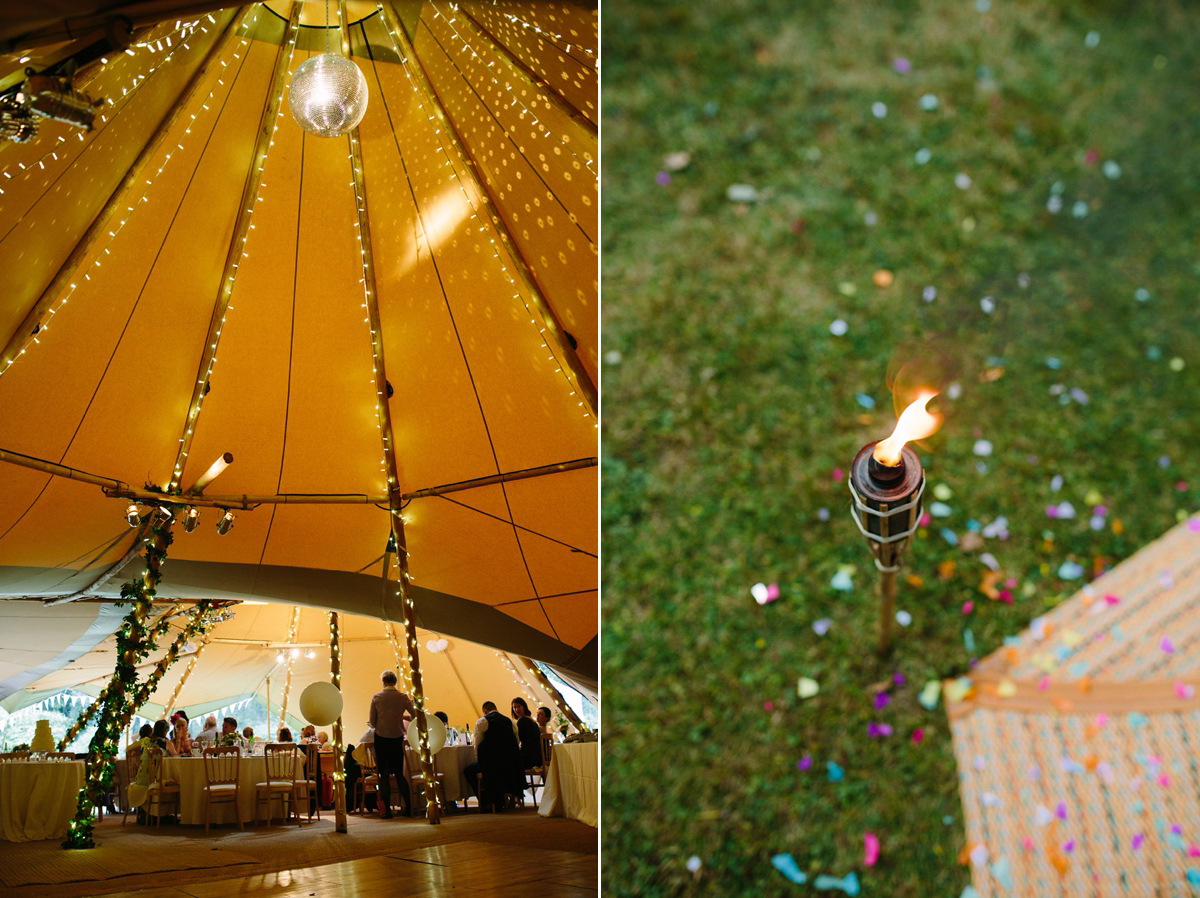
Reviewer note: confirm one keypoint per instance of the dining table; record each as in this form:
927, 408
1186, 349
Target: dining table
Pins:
189, 773
450, 762
573, 783
38, 798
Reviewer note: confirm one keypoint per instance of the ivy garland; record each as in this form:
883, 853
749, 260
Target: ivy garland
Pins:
122, 697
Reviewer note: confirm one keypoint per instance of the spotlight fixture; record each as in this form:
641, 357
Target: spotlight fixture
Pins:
49, 97
225, 524
295, 653
164, 514
192, 520
132, 515
310, 654
279, 659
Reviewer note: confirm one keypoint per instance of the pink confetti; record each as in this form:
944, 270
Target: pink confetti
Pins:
663, 179
838, 475
902, 65
1181, 486
1112, 600
882, 700
1028, 843
1193, 851
1101, 720
1069, 846
1011, 583
968, 607
1164, 780
870, 849
1184, 690
875, 730
1051, 511
1194, 525
1061, 810
1043, 684
804, 763
1091, 157
1177, 829
1006, 596
918, 735
768, 706
898, 679
1136, 842
924, 520
1167, 646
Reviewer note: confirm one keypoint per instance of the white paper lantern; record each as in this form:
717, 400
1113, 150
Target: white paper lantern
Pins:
328, 95
437, 734
321, 703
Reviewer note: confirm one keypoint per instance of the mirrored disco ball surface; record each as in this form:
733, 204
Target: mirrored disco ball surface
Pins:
328, 95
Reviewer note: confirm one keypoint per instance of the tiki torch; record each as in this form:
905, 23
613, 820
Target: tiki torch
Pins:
887, 483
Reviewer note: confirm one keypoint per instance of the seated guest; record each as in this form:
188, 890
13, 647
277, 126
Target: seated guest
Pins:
229, 734
529, 734
160, 739
545, 720
285, 735
323, 741
179, 737
308, 734
139, 787
248, 734
353, 773
208, 735
499, 755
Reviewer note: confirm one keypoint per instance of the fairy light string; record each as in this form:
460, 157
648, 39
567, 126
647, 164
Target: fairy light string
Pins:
101, 234
339, 775
577, 381
553, 692
291, 659
187, 672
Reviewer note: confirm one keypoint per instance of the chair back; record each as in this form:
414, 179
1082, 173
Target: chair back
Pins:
281, 761
154, 760
412, 760
14, 756
547, 747
133, 758
221, 764
370, 767
312, 760
60, 756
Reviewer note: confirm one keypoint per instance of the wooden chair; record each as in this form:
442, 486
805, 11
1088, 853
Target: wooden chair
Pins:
10, 756
281, 758
535, 777
221, 768
127, 772
369, 779
310, 786
158, 789
416, 780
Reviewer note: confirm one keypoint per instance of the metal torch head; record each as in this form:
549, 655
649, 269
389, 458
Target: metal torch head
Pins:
887, 503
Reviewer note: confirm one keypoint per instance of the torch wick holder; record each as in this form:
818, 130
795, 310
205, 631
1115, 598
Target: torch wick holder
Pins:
885, 474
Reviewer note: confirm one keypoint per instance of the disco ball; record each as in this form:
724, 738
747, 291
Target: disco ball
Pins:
328, 95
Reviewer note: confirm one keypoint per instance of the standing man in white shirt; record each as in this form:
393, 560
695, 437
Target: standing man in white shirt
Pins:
388, 708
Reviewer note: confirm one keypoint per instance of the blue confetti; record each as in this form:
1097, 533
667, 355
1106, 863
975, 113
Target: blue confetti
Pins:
786, 864
949, 536
1069, 570
1078, 669
940, 510
974, 526
1053, 363
864, 400
1012, 641
1137, 719
969, 641
836, 773
849, 884
1193, 877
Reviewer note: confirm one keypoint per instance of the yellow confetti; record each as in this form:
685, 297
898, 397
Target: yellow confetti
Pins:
1071, 639
1006, 688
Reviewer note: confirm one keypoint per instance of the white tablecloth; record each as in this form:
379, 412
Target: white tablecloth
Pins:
38, 798
189, 773
573, 783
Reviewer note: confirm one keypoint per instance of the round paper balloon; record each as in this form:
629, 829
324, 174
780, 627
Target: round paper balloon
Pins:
320, 703
437, 734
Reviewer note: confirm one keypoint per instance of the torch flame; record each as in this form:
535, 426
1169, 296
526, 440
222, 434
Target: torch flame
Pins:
915, 423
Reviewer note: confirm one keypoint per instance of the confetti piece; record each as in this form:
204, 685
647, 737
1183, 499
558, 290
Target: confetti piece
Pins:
940, 509
1137, 719
870, 849
804, 763
968, 607
694, 863
957, 690
1184, 690
848, 884
962, 181
883, 278
903, 618
949, 536
1006, 688
1069, 570
764, 593
928, 699
882, 700
1060, 810
1164, 780
841, 580
839, 327
987, 303
836, 773
662, 179
969, 892
768, 706
1042, 815
741, 193
1069, 846
901, 65
918, 736
969, 641
786, 864
823, 514
989, 799
978, 855
1092, 39
1167, 645
1002, 873
879, 110
1193, 876
864, 400
1136, 842
928, 102
821, 627
807, 687
676, 161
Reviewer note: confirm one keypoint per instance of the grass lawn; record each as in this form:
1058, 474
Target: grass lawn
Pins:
1036, 165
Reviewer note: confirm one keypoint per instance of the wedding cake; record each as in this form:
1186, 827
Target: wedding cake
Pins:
43, 739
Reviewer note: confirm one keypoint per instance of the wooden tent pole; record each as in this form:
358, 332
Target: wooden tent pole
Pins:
233, 254
117, 200
339, 774
583, 380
